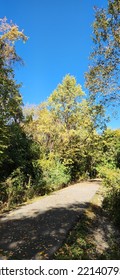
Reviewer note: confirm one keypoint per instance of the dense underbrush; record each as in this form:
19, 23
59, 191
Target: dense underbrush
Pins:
111, 181
19, 186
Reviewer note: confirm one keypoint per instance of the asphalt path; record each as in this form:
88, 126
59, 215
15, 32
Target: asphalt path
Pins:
37, 230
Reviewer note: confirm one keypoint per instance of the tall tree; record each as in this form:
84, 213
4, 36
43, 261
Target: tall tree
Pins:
10, 98
65, 101
65, 126
102, 78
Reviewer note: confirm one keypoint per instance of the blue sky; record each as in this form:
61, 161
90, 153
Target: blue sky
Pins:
59, 43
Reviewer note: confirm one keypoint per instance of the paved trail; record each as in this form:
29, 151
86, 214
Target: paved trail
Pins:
37, 230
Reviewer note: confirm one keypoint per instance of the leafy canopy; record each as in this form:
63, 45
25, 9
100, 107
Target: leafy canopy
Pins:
102, 78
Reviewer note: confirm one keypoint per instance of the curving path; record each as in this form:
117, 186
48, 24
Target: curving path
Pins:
37, 230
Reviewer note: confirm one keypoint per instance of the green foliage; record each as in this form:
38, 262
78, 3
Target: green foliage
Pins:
65, 126
109, 148
17, 150
77, 120
10, 105
38, 182
13, 188
102, 78
64, 102
10, 98
111, 180
55, 174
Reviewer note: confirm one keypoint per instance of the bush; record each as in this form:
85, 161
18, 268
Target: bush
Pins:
39, 184
3, 193
48, 175
13, 189
55, 174
16, 189
111, 180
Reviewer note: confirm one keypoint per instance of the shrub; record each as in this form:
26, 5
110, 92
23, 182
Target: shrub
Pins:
55, 174
39, 184
16, 187
3, 193
111, 180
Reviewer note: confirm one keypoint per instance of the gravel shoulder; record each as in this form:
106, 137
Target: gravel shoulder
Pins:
37, 230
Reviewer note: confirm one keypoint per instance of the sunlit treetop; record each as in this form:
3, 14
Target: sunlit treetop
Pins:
9, 34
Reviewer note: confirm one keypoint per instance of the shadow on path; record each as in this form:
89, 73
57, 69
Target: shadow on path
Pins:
40, 236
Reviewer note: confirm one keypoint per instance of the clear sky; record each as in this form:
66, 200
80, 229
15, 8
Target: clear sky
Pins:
59, 43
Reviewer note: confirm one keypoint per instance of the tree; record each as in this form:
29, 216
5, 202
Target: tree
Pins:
10, 33
65, 126
10, 103
102, 78
110, 148
65, 101
19, 153
10, 98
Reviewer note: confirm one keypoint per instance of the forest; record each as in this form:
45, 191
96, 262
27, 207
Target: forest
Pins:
65, 139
